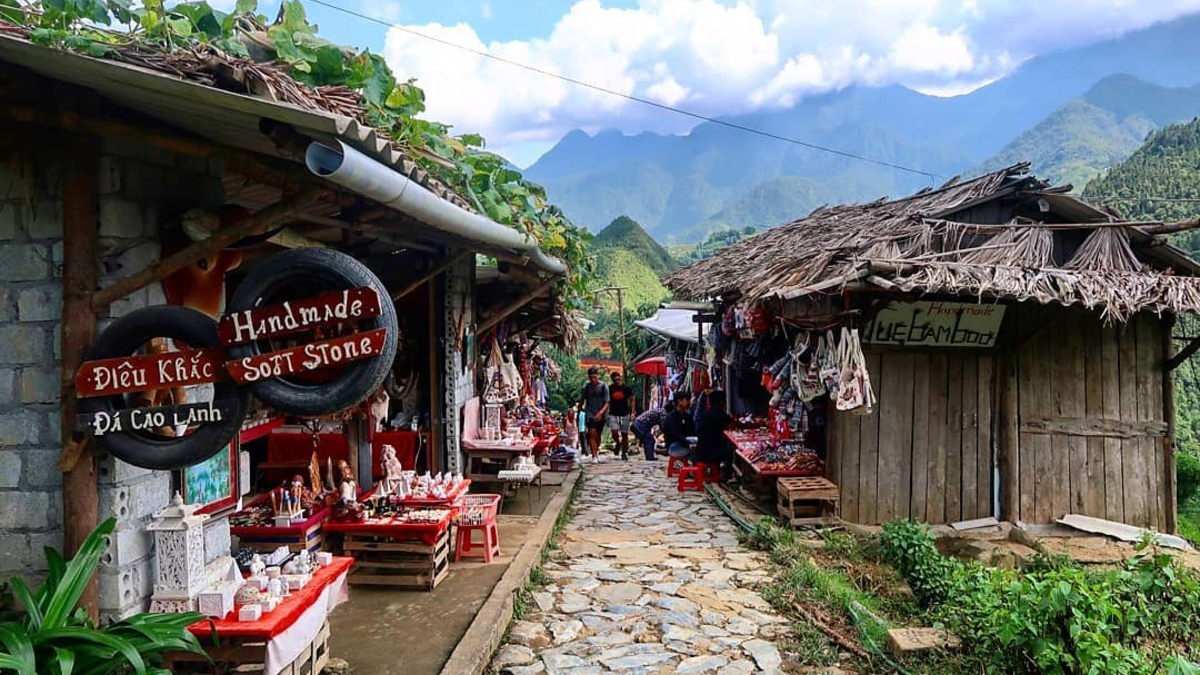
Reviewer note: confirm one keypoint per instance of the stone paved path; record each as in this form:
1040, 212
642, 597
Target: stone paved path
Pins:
650, 581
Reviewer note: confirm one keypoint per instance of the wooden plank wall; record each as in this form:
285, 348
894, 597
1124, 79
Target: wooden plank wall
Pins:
1091, 421
926, 452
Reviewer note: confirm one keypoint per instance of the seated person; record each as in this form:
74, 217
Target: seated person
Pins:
678, 426
712, 447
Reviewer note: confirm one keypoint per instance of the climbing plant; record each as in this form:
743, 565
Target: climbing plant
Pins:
115, 28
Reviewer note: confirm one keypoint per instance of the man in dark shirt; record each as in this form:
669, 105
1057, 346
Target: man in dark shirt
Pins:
643, 428
712, 447
593, 400
678, 426
620, 413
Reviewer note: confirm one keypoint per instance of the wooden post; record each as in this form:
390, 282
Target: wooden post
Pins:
80, 493
1007, 438
514, 306
1170, 488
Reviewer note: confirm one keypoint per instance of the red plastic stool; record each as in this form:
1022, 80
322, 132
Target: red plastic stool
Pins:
691, 478
674, 464
464, 542
711, 473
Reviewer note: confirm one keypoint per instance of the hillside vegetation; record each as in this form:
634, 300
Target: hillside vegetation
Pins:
1167, 167
628, 257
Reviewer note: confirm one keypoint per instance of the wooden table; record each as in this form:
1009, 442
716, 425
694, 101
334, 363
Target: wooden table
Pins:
305, 534
746, 443
292, 640
397, 553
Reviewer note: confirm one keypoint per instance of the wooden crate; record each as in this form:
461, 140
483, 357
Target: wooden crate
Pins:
296, 538
380, 560
810, 500
249, 655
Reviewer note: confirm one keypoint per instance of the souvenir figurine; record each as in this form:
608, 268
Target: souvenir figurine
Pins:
392, 469
257, 566
246, 595
276, 587
349, 489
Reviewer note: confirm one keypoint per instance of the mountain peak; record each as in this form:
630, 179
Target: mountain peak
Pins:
627, 234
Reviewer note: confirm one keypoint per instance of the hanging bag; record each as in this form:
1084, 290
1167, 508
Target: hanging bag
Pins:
811, 385
830, 373
500, 390
854, 387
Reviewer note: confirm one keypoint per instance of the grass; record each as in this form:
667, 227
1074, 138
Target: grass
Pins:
840, 579
1189, 520
523, 597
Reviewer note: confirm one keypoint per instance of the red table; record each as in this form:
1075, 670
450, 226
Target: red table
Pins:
407, 555
304, 534
746, 443
274, 623
394, 529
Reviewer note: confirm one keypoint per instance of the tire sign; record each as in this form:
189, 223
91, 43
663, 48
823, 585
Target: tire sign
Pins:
144, 373
309, 357
128, 420
300, 315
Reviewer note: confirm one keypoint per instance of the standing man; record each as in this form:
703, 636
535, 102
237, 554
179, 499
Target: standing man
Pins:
593, 399
620, 413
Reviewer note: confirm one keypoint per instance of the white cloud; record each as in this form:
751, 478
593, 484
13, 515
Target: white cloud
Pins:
720, 57
485, 10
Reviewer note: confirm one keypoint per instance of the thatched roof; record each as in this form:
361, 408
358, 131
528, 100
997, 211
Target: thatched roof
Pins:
921, 244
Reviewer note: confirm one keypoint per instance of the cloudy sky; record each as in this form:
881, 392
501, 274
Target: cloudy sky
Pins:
714, 57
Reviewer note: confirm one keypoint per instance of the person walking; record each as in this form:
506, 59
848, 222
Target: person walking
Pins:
620, 413
594, 400
678, 427
643, 429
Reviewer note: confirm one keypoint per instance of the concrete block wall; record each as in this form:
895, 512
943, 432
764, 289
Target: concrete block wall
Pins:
142, 192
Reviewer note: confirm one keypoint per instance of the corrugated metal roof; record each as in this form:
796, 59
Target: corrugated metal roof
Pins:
226, 117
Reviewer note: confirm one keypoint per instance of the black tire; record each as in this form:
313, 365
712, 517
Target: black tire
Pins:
294, 274
151, 451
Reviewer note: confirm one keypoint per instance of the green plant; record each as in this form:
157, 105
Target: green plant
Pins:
55, 636
1187, 473
909, 546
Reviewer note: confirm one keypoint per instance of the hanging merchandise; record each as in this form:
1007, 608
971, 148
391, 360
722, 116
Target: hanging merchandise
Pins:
830, 374
854, 389
501, 389
811, 385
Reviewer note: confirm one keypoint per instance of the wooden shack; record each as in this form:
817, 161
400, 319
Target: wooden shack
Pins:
1058, 399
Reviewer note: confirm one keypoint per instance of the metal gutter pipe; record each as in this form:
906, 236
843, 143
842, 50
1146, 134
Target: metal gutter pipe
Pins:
355, 171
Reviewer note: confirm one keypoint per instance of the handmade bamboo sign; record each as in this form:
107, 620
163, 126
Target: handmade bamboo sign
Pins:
128, 420
307, 358
935, 324
146, 373
298, 316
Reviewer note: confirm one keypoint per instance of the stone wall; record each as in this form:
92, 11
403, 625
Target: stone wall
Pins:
142, 192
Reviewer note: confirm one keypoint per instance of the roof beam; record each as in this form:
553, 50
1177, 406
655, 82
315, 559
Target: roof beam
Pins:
513, 306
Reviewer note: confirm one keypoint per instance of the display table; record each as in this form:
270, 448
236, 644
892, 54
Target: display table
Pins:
305, 534
747, 454
291, 640
485, 459
289, 452
391, 552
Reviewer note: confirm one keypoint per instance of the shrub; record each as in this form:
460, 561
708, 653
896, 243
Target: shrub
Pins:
55, 637
1187, 472
909, 546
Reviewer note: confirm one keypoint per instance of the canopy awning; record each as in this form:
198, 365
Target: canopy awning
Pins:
675, 324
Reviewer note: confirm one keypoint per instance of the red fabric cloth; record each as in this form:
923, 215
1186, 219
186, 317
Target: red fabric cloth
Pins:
274, 623
427, 533
273, 531
405, 443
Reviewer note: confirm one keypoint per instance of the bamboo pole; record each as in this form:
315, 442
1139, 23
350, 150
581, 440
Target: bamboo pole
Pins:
258, 223
80, 493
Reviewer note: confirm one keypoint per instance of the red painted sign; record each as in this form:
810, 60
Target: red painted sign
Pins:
307, 358
299, 315
145, 373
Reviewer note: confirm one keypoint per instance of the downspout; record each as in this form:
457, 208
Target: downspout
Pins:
355, 171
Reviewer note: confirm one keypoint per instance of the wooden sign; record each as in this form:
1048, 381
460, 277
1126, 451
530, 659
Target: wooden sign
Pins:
126, 420
935, 324
307, 358
144, 373
299, 315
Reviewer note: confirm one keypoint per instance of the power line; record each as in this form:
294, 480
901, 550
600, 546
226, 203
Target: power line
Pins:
1187, 200
637, 99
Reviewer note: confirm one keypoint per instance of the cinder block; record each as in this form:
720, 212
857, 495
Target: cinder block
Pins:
8, 221
128, 546
39, 386
10, 470
15, 554
904, 641
44, 220
112, 471
24, 262
121, 218
41, 467
40, 303
23, 344
19, 427
8, 395
137, 501
125, 586
24, 510
38, 542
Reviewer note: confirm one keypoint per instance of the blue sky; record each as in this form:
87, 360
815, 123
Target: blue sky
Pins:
715, 57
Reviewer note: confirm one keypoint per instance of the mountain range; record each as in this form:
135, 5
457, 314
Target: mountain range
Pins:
1073, 113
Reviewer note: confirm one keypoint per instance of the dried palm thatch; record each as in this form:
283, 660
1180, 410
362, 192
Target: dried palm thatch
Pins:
915, 244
